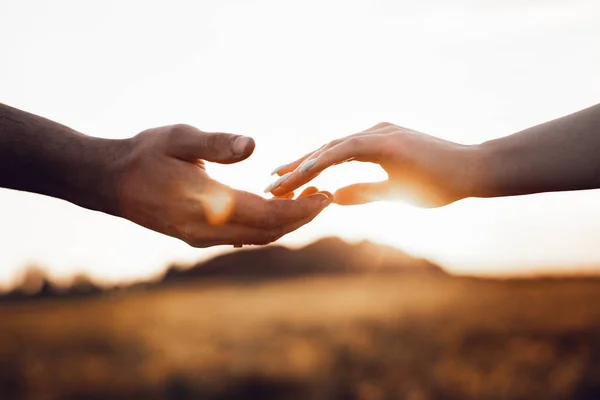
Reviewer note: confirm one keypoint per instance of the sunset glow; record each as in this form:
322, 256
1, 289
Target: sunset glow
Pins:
295, 77
218, 205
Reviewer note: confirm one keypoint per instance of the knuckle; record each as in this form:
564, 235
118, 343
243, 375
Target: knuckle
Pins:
382, 125
211, 141
388, 146
333, 143
327, 146
356, 141
178, 130
397, 138
177, 133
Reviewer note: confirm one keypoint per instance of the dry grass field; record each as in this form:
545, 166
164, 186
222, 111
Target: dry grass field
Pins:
370, 338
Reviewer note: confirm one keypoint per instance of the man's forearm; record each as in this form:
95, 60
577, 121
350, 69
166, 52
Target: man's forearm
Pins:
41, 156
559, 155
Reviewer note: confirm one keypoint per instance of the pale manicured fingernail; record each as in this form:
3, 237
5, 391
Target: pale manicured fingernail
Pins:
308, 165
277, 183
276, 170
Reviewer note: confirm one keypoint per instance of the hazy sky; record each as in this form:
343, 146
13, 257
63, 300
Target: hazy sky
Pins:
295, 75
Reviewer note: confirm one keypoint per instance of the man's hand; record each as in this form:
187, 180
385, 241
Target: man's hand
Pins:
163, 185
155, 179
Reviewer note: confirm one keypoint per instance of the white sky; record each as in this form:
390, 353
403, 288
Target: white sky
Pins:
294, 75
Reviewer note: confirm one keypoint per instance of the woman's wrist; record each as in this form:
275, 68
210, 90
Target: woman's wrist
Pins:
478, 163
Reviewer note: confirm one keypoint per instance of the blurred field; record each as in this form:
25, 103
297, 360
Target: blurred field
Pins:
376, 337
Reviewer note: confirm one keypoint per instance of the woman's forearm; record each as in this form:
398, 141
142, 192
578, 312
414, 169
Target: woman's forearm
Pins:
41, 156
559, 155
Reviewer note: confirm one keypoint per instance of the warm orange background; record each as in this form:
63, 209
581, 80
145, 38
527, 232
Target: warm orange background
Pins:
294, 77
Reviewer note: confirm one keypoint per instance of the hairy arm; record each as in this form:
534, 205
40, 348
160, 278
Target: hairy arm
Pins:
41, 156
559, 155
156, 179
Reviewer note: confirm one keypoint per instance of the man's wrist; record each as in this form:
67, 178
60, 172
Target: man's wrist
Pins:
95, 186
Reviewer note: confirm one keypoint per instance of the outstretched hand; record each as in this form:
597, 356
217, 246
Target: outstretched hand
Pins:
157, 179
164, 186
422, 169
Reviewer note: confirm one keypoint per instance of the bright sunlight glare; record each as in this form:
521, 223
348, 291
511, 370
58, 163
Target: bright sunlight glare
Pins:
295, 76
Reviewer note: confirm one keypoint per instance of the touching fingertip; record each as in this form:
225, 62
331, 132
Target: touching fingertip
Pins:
339, 198
277, 183
308, 191
328, 194
343, 198
324, 198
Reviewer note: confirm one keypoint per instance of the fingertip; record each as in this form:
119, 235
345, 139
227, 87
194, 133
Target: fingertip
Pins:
324, 198
316, 202
243, 146
308, 191
290, 167
279, 170
274, 187
329, 195
286, 169
343, 198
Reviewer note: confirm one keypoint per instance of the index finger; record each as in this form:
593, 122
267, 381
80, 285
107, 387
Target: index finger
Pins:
285, 168
360, 148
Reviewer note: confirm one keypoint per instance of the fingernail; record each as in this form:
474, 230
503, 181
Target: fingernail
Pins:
326, 200
307, 165
277, 183
328, 194
276, 170
240, 144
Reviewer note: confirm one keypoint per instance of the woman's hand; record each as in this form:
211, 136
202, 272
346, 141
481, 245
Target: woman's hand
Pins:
422, 169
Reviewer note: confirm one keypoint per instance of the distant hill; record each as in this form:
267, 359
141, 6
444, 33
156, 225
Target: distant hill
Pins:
329, 256
324, 257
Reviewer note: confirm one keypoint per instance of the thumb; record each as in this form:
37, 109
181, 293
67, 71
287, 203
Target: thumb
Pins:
189, 143
362, 193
